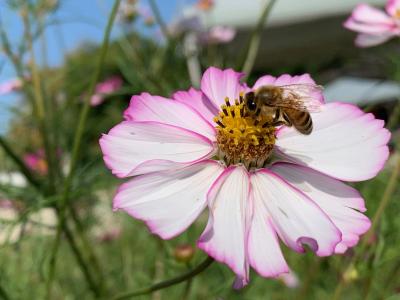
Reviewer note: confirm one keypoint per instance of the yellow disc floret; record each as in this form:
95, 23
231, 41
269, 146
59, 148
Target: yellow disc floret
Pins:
243, 139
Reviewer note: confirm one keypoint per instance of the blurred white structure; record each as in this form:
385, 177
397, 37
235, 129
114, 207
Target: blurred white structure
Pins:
361, 91
244, 13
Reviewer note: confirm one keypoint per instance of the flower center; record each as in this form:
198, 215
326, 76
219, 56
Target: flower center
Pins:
243, 139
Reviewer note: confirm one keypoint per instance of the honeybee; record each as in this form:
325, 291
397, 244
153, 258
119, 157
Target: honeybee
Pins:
288, 105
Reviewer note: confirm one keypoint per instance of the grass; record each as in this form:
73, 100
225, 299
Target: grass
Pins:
137, 259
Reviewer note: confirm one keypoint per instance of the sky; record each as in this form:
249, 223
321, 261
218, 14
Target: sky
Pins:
79, 21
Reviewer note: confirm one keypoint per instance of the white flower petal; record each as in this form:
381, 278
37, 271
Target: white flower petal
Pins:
168, 201
345, 143
264, 251
225, 235
198, 101
146, 107
296, 218
218, 84
134, 148
338, 200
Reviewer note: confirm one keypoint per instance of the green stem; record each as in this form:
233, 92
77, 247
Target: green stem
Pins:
3, 294
85, 268
159, 19
388, 193
40, 105
77, 143
167, 283
21, 165
394, 117
254, 42
86, 243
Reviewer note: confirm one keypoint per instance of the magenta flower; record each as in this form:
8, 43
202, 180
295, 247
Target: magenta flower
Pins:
375, 26
182, 162
290, 279
36, 162
218, 35
104, 88
205, 5
11, 85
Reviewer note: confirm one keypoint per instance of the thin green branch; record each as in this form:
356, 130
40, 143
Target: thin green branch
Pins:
167, 283
86, 243
3, 294
40, 103
81, 261
20, 164
77, 144
254, 42
159, 19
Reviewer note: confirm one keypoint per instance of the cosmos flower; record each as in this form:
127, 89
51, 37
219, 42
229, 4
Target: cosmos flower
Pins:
104, 88
11, 85
205, 5
218, 35
261, 184
290, 279
373, 25
36, 162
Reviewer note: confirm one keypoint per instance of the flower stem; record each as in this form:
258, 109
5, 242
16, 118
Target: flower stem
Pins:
85, 269
167, 283
93, 261
254, 42
40, 107
3, 294
388, 193
21, 165
77, 144
159, 19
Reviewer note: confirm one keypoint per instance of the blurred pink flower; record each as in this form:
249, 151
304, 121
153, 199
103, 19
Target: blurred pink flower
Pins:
36, 162
199, 150
218, 35
11, 85
194, 24
374, 25
5, 203
110, 235
104, 88
290, 279
147, 16
205, 5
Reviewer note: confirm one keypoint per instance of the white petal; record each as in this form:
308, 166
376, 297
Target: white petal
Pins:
224, 237
264, 252
296, 218
338, 200
345, 143
218, 84
370, 40
146, 107
198, 101
134, 148
168, 201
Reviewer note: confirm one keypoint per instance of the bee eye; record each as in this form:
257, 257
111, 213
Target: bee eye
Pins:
251, 105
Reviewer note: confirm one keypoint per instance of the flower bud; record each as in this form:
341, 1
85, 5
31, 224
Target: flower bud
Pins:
350, 275
183, 253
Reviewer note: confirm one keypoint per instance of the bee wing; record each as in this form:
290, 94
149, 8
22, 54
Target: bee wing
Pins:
302, 97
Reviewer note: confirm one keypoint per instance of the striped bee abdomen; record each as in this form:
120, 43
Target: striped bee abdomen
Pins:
301, 120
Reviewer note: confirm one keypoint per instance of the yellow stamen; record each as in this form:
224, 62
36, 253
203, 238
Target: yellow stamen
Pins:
243, 139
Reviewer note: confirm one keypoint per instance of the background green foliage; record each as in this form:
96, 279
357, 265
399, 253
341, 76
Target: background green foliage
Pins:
136, 258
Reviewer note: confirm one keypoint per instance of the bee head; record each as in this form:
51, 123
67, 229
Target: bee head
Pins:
250, 101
